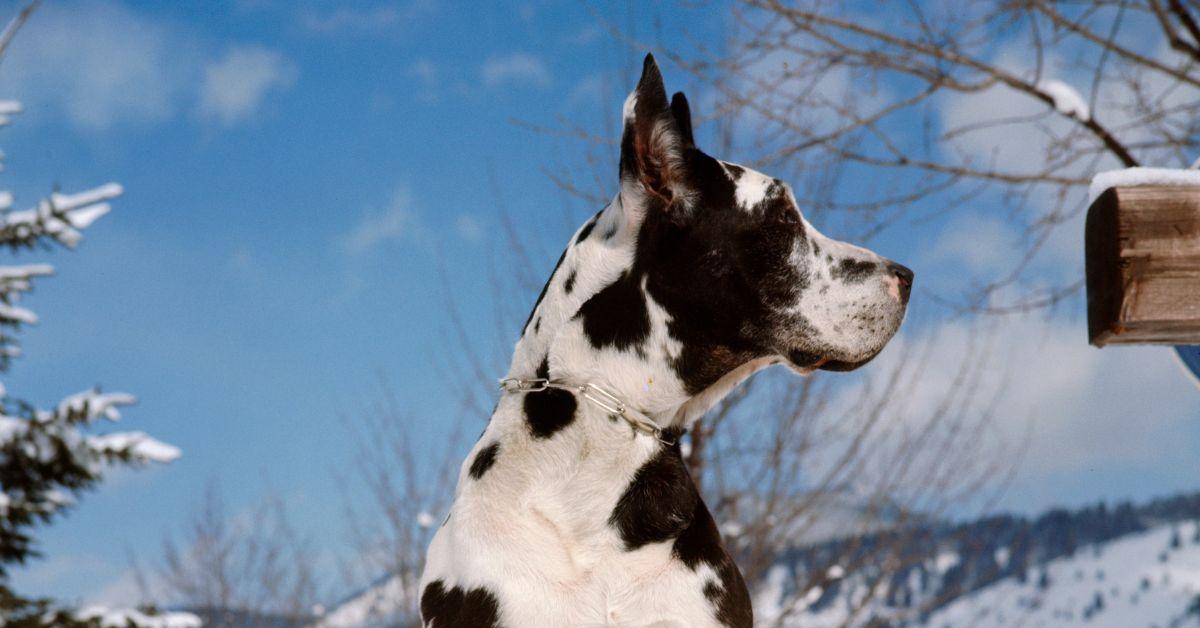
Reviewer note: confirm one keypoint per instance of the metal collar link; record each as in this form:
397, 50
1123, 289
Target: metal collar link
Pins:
597, 395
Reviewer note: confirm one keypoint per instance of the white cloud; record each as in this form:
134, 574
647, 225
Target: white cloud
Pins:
979, 244
235, 86
588, 92
468, 228
516, 68
395, 222
1014, 147
350, 19
584, 36
1024, 405
423, 69
425, 75
358, 19
99, 64
1077, 406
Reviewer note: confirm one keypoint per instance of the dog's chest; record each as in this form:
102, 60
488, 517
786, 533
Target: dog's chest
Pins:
541, 529
557, 494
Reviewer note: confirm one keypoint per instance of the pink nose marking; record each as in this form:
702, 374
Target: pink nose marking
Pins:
893, 284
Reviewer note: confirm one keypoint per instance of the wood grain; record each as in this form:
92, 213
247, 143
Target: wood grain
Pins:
1142, 248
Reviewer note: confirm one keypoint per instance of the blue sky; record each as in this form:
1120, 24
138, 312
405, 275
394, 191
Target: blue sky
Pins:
304, 183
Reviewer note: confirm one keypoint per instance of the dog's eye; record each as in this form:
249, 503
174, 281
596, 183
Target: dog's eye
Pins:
785, 214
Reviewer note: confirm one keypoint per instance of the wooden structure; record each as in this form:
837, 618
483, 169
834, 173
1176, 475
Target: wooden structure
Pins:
1142, 249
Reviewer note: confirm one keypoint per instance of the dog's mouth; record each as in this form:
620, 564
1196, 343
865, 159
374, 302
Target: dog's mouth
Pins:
808, 361
843, 366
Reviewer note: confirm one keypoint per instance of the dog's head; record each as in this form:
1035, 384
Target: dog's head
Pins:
729, 254
721, 259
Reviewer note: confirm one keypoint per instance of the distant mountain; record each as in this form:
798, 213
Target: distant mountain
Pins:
383, 603
1124, 566
247, 619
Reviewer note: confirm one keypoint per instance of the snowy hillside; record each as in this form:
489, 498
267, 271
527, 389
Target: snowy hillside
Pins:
1150, 578
384, 603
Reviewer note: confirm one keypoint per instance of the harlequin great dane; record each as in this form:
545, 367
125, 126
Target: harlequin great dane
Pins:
575, 507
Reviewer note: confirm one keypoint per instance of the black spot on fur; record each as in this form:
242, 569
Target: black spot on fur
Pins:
484, 460
617, 315
537, 326
735, 170
544, 288
442, 608
659, 502
569, 284
700, 543
852, 270
548, 411
587, 229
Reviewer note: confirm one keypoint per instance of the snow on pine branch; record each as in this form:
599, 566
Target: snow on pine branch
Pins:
91, 404
137, 444
59, 217
15, 281
37, 444
7, 109
82, 408
1066, 100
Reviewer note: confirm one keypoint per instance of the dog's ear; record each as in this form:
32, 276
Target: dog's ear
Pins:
683, 118
653, 174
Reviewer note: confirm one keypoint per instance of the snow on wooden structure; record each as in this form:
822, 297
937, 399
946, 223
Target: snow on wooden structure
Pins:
1142, 247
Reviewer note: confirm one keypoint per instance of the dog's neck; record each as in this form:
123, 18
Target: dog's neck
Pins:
557, 344
554, 343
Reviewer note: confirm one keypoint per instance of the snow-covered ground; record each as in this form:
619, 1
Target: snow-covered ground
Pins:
1141, 579
119, 618
386, 602
1136, 580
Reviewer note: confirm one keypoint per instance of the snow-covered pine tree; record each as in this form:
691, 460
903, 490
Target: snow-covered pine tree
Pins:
48, 456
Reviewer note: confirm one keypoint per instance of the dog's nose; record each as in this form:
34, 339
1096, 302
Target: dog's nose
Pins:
903, 273
904, 279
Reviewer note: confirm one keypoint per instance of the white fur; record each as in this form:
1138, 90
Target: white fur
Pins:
534, 531
752, 189
630, 105
837, 313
